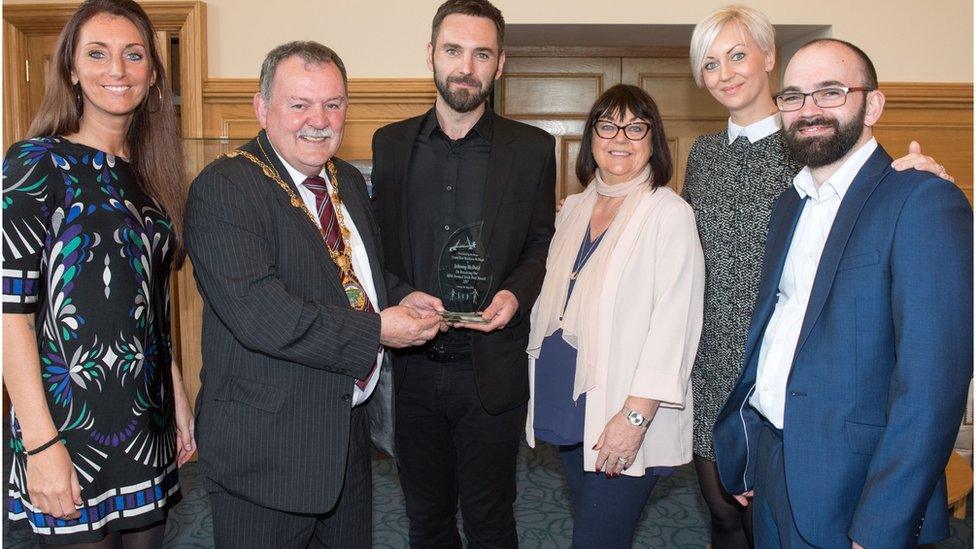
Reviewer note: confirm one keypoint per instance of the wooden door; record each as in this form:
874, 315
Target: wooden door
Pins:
40, 50
555, 94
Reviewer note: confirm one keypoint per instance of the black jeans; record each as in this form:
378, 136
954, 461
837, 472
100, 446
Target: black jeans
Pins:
449, 448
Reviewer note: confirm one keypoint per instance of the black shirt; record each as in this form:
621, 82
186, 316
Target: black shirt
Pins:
446, 186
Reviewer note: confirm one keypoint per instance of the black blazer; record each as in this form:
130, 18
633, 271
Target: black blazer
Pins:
281, 347
518, 216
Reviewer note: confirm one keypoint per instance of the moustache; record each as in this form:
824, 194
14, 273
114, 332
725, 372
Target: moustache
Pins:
315, 134
818, 121
466, 80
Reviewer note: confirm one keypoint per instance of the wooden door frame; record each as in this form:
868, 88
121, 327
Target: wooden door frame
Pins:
21, 21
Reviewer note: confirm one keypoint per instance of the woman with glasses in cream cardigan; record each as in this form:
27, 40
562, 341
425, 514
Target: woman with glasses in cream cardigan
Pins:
616, 325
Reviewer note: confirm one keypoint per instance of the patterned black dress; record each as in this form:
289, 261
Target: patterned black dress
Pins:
731, 188
89, 254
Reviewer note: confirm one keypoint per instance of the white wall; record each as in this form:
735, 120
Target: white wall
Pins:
909, 41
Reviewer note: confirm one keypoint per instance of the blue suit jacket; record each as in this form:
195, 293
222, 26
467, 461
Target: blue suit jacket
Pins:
881, 369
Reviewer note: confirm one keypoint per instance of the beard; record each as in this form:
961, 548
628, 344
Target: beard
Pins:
462, 100
822, 151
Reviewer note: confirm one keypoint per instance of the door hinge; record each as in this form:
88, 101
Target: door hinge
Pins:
27, 69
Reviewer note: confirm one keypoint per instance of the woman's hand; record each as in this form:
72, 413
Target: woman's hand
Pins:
621, 440
186, 443
52, 483
618, 445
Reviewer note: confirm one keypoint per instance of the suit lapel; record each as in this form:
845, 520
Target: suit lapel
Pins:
781, 228
403, 153
497, 180
864, 184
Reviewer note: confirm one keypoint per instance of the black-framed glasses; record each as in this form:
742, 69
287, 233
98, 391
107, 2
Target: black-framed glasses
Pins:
635, 131
825, 98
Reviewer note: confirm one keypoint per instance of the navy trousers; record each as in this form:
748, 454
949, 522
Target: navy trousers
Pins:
772, 513
605, 510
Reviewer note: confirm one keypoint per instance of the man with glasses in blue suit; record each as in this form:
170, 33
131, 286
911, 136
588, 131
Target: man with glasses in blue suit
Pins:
859, 353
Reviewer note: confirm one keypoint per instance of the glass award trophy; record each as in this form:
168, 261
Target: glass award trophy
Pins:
464, 275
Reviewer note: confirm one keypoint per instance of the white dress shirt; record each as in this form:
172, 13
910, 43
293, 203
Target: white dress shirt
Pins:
360, 264
783, 331
757, 130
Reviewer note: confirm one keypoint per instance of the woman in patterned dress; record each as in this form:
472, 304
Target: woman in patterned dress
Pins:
92, 217
732, 180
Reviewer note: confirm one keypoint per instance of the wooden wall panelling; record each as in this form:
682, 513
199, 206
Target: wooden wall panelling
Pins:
939, 116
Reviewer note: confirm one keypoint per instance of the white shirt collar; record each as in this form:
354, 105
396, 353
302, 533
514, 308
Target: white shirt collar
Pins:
296, 176
757, 130
838, 183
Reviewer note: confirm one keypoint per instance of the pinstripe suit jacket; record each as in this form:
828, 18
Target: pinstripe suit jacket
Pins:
281, 347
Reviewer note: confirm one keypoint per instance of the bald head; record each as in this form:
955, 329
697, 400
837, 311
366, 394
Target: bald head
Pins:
868, 75
822, 136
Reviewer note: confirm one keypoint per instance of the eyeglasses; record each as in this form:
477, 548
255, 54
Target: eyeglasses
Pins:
825, 98
635, 131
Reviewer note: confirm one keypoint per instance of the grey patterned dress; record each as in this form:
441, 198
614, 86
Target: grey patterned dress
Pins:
732, 188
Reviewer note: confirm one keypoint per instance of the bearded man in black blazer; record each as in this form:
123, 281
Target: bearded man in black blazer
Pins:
286, 256
462, 178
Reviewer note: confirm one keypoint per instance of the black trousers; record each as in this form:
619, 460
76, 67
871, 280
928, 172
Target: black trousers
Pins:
449, 449
238, 523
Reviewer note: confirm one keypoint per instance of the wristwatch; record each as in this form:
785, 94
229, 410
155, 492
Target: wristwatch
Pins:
635, 418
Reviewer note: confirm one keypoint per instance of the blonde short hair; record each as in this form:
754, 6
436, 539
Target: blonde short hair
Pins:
752, 20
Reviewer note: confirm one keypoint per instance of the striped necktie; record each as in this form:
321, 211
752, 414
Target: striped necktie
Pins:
333, 237
326, 212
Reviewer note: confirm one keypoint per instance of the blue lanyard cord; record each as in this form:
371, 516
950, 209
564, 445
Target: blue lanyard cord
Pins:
586, 249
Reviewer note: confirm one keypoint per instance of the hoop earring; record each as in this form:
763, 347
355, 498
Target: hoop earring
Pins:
159, 104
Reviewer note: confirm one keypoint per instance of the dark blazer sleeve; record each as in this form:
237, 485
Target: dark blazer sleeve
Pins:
932, 311
234, 265
525, 280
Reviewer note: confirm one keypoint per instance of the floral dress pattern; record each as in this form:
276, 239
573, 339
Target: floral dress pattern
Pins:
87, 252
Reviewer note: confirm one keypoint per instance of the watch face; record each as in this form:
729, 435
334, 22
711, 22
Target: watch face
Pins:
635, 418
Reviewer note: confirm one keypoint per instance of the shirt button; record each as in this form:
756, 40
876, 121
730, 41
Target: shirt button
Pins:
765, 387
450, 188
810, 254
778, 342
447, 227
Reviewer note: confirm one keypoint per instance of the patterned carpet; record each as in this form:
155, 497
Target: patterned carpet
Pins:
674, 518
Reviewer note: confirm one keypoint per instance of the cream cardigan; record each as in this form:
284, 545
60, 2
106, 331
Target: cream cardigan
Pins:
650, 321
